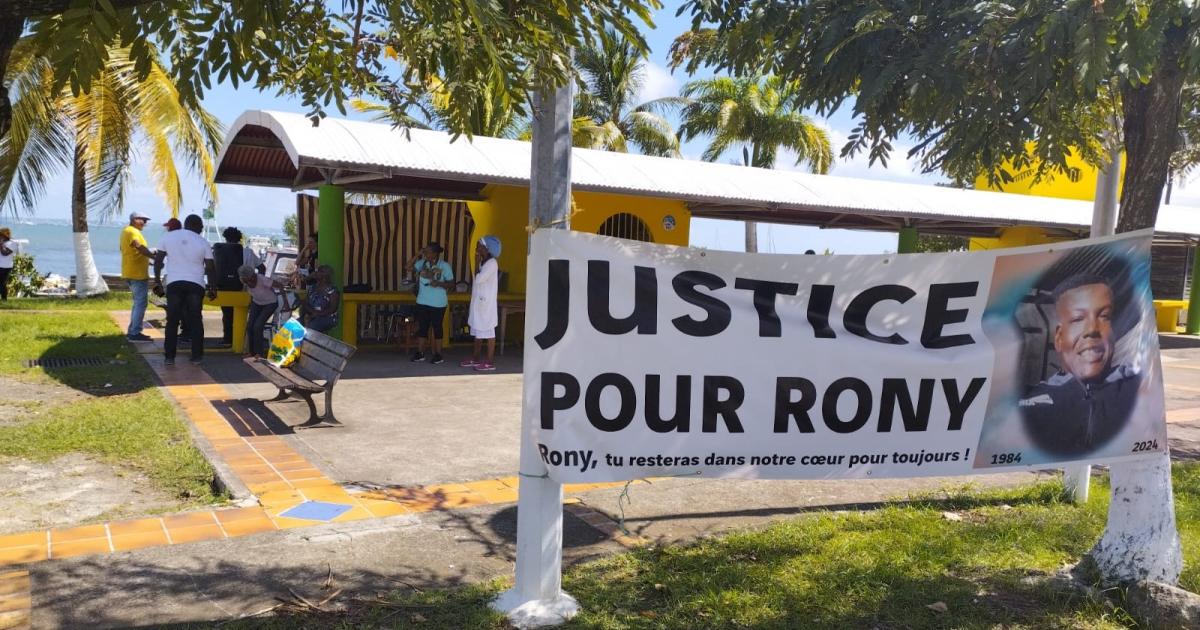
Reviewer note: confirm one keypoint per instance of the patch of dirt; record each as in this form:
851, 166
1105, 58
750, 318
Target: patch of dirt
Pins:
24, 398
38, 391
70, 490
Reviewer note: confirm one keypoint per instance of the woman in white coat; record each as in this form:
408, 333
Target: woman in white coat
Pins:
483, 316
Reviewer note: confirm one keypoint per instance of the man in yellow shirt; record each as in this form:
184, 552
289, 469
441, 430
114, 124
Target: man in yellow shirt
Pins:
135, 268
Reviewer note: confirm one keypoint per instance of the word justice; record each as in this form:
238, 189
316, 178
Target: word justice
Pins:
687, 286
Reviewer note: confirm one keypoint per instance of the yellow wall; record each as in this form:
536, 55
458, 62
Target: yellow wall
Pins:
1054, 186
1017, 236
505, 213
1060, 186
593, 208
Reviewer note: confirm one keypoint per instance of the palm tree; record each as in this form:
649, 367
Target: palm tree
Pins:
492, 115
758, 114
97, 135
612, 74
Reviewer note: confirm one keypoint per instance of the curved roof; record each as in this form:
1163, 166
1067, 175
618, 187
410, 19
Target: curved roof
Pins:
288, 150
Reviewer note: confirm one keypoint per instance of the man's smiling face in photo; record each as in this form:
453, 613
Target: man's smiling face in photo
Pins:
1084, 336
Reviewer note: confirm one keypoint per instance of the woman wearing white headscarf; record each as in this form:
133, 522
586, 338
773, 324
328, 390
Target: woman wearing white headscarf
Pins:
482, 319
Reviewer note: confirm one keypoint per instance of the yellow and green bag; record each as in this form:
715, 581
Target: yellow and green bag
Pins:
285, 345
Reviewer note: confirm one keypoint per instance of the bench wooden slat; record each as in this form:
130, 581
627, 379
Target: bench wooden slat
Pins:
320, 363
322, 358
282, 377
336, 346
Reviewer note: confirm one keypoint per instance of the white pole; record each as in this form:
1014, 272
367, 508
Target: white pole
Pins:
536, 599
1104, 223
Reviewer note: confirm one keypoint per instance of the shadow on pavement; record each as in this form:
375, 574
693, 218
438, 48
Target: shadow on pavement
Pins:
212, 583
1178, 342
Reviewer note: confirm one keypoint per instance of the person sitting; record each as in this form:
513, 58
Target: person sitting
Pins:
263, 303
319, 310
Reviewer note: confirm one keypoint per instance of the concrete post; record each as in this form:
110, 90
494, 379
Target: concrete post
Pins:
907, 243
1193, 310
1077, 477
331, 237
537, 599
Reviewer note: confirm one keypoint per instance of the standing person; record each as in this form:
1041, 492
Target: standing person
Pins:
229, 257
263, 303
135, 269
7, 254
173, 224
434, 276
482, 319
306, 260
190, 276
319, 311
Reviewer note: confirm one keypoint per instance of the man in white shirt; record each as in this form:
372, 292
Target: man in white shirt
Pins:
190, 276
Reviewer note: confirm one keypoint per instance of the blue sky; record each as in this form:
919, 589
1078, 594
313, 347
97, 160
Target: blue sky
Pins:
262, 207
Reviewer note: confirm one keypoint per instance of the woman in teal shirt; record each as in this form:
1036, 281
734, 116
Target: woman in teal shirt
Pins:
434, 276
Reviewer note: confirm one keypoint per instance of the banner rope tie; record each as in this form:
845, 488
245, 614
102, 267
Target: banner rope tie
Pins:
624, 497
545, 475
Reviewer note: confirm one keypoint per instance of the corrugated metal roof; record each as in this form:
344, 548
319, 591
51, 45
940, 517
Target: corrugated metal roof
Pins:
365, 147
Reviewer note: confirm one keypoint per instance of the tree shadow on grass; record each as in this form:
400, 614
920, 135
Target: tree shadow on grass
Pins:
113, 365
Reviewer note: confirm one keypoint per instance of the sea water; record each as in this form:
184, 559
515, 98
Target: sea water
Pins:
53, 249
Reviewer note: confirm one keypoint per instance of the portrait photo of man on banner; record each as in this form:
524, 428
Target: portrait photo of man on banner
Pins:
1087, 383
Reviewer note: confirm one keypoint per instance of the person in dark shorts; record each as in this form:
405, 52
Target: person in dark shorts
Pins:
434, 276
1088, 402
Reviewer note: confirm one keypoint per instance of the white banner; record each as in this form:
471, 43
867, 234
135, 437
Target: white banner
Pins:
646, 360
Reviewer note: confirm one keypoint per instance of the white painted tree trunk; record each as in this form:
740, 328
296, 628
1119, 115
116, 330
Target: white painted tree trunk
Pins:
536, 599
88, 280
1140, 541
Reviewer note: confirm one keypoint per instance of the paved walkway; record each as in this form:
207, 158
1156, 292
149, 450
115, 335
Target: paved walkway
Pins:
423, 478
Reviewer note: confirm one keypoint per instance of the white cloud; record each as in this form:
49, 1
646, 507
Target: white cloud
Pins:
659, 83
899, 167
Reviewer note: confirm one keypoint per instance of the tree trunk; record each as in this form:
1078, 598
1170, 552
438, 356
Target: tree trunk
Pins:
751, 226
1140, 540
1151, 131
88, 281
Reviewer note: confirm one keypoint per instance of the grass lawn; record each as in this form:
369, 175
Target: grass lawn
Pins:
113, 301
122, 420
874, 569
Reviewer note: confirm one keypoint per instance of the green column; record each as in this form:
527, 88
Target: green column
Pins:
1193, 316
331, 236
907, 243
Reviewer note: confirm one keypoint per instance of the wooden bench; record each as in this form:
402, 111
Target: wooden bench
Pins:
322, 359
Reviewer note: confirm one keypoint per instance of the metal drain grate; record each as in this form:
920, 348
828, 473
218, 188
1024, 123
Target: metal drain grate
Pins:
65, 362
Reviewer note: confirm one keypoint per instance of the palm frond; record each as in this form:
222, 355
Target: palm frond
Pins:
652, 134
40, 144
